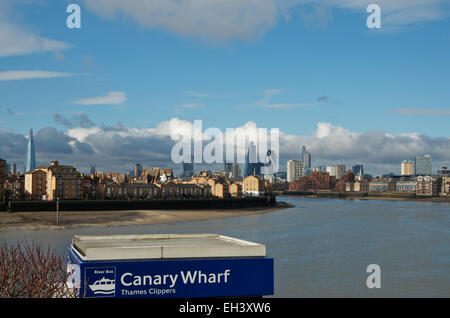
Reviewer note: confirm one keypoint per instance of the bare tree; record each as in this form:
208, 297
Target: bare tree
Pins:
29, 271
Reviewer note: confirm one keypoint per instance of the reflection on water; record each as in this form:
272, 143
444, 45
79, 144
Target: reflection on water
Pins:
323, 246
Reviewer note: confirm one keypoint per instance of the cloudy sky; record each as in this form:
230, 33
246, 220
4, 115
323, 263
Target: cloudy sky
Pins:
111, 93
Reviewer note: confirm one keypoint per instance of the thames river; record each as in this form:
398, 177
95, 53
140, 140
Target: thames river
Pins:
322, 247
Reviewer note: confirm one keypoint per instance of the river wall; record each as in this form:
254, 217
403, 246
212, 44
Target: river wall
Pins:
156, 204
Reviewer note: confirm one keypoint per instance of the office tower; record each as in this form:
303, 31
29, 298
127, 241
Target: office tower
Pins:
235, 173
294, 170
92, 170
30, 161
407, 168
423, 165
252, 167
11, 168
188, 169
137, 170
357, 169
340, 171
331, 170
306, 158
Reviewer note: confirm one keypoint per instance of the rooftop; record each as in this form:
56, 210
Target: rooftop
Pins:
164, 246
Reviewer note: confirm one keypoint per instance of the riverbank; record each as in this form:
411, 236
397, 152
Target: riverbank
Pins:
69, 219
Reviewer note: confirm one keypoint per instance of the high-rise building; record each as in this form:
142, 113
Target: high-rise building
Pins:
235, 171
357, 169
30, 161
137, 170
306, 158
11, 168
423, 165
407, 168
188, 169
340, 171
252, 166
294, 170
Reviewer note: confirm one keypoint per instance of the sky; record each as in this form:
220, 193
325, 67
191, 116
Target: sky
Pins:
111, 92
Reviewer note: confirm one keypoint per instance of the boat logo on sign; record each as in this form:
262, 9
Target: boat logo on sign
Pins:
101, 281
103, 286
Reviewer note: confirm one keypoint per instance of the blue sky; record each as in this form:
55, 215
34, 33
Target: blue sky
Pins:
309, 62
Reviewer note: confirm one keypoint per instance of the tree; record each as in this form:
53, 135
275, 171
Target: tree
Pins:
29, 271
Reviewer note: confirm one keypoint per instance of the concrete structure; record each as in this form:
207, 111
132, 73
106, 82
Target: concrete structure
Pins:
340, 171
423, 165
331, 170
294, 170
407, 168
235, 171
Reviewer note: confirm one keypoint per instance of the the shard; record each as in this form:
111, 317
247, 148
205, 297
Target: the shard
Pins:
30, 162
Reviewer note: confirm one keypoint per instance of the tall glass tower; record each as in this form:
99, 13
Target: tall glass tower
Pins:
306, 158
30, 162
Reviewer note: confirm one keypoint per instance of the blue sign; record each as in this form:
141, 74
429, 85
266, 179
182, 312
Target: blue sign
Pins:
180, 278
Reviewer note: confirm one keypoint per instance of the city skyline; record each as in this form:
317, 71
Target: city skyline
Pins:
313, 70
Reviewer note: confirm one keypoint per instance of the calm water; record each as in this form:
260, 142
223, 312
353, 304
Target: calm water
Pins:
323, 246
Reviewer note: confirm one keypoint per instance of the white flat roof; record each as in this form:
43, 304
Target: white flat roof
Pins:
164, 246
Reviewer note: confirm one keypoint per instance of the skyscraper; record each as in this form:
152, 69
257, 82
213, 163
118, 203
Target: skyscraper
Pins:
306, 158
137, 170
356, 169
340, 171
252, 166
188, 169
235, 171
423, 165
30, 161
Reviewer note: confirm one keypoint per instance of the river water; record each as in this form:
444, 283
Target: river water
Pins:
322, 247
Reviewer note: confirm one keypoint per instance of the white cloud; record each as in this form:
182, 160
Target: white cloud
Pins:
119, 147
30, 74
16, 40
395, 14
111, 98
221, 21
212, 20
